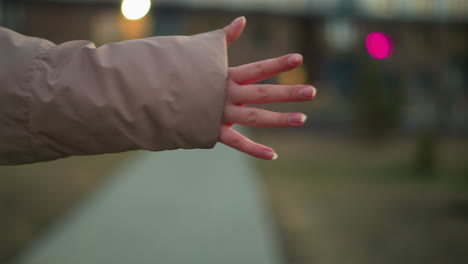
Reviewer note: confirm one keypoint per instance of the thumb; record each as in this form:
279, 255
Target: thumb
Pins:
234, 30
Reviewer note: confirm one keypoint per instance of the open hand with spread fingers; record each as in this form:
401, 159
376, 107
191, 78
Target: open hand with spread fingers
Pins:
242, 90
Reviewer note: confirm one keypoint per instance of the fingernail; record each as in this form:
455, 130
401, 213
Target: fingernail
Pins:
307, 92
297, 119
238, 20
294, 59
275, 156
270, 155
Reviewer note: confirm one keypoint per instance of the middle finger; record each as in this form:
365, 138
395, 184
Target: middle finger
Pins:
256, 117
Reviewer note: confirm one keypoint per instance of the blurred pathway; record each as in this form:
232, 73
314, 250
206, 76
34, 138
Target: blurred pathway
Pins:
185, 206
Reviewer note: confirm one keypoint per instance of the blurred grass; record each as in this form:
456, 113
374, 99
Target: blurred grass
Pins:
317, 156
338, 199
386, 171
33, 196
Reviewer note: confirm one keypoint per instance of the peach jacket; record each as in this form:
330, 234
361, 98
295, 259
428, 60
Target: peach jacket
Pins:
157, 93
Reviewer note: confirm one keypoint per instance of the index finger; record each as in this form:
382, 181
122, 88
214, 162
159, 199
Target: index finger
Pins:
257, 71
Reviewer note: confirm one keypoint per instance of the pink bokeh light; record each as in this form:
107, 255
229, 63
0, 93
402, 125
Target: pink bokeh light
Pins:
379, 45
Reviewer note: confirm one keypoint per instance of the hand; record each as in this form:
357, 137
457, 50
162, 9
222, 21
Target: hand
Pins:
240, 91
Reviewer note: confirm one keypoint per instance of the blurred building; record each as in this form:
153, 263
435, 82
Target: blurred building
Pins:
426, 76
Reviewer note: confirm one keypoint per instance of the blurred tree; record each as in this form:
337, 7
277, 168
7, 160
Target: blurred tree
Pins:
425, 158
377, 102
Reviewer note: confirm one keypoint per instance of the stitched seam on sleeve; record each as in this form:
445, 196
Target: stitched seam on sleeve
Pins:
29, 82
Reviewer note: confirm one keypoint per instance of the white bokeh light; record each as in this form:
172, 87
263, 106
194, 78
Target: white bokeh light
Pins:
135, 9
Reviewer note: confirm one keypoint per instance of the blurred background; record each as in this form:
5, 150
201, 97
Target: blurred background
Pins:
379, 174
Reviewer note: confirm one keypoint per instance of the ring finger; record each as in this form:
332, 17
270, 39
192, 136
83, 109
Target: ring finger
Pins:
256, 117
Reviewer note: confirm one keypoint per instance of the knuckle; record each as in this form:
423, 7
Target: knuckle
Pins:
231, 94
260, 68
263, 93
236, 143
252, 118
294, 93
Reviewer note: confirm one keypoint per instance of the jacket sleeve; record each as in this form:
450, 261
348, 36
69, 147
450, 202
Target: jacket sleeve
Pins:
158, 93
